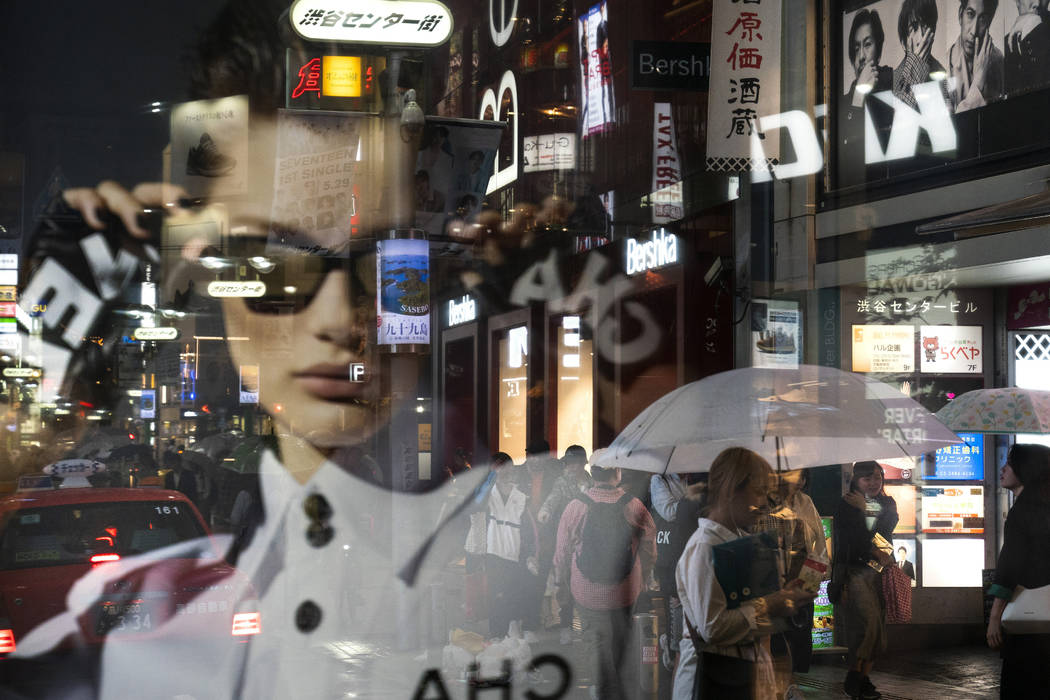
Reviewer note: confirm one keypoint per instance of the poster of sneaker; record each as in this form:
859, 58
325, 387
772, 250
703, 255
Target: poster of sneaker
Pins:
776, 334
209, 146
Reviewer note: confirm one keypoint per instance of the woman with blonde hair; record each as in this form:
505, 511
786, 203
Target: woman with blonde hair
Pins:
730, 658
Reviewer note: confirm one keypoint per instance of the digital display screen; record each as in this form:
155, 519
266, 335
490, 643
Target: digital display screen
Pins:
596, 77
954, 510
963, 462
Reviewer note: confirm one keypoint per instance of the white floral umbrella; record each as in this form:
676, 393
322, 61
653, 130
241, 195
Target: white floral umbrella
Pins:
804, 417
1007, 410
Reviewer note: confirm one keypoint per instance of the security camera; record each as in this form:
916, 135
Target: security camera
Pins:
412, 119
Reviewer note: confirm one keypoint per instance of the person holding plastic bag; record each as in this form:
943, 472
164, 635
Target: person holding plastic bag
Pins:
1023, 561
725, 650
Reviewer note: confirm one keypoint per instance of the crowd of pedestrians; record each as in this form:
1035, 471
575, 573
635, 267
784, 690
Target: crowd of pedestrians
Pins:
571, 548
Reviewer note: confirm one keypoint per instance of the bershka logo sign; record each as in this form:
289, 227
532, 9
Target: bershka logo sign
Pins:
670, 65
461, 310
659, 251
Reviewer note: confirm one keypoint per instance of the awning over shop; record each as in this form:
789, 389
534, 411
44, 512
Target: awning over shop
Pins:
1016, 214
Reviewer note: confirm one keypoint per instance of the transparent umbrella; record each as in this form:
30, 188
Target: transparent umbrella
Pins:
804, 417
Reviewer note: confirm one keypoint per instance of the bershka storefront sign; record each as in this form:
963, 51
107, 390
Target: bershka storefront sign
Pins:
670, 65
659, 251
462, 310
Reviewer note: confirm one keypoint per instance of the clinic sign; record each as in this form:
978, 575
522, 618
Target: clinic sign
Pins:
418, 23
659, 251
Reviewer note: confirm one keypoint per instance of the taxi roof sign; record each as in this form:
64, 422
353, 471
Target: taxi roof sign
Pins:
390, 22
74, 472
23, 372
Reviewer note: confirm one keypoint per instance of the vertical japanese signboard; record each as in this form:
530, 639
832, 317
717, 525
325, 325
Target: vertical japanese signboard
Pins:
667, 167
596, 81
745, 81
403, 298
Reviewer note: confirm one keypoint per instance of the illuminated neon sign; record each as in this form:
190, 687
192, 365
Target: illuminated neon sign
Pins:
658, 251
309, 79
388, 22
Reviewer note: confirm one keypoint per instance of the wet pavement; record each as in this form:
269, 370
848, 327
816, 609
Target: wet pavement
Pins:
960, 673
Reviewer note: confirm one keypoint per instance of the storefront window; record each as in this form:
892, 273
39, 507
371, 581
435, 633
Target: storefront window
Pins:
575, 387
512, 392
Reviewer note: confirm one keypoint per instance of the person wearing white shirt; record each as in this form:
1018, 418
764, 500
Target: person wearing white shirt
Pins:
734, 659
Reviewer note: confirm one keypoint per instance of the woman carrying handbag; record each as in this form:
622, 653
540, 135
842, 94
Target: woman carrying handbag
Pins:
863, 513
1023, 561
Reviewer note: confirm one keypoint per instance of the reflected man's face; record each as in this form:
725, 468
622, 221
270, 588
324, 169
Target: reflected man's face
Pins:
304, 350
865, 50
973, 25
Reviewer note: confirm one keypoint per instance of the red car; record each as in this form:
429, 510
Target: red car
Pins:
162, 563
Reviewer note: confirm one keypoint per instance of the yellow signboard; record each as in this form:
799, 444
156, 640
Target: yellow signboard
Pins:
8, 293
341, 76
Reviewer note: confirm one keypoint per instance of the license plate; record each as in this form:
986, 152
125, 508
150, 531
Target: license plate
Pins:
124, 617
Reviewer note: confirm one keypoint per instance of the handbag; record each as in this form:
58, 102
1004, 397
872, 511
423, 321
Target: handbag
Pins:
896, 592
1028, 612
477, 536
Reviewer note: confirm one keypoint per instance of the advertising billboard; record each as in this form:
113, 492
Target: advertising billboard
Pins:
403, 291
209, 146
952, 562
596, 77
951, 349
249, 391
776, 333
904, 495
954, 510
883, 348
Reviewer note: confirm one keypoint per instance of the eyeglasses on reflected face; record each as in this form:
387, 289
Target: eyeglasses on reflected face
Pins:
292, 271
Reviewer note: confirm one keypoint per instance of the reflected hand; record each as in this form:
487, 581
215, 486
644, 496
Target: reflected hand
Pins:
786, 601
856, 500
981, 59
926, 44
995, 632
110, 196
543, 516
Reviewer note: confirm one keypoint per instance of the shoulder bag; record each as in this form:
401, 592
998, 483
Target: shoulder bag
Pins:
1028, 612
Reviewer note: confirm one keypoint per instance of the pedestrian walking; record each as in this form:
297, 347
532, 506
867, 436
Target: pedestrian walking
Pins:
856, 579
1023, 561
537, 477
605, 551
574, 481
511, 549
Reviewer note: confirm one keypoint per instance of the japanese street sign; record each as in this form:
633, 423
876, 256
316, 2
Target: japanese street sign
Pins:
745, 82
388, 22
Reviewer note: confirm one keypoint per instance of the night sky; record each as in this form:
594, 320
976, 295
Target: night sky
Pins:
78, 82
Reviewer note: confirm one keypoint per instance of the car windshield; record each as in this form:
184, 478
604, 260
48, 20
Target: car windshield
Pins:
72, 534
